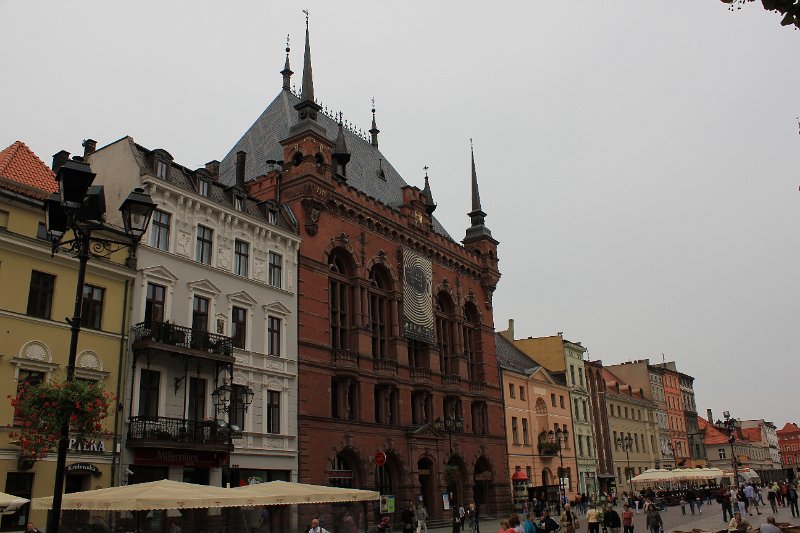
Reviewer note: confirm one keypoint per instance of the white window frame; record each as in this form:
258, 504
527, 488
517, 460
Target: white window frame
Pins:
162, 388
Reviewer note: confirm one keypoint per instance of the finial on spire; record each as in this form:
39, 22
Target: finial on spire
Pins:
287, 72
478, 229
374, 131
307, 13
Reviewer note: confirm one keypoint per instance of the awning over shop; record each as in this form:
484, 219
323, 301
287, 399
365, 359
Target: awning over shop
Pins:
285, 492
10, 503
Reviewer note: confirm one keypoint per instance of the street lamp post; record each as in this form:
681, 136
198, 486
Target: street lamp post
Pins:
626, 443
79, 208
729, 426
559, 437
224, 402
450, 424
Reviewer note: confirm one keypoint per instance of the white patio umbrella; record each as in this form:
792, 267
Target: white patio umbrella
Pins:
163, 494
285, 492
10, 503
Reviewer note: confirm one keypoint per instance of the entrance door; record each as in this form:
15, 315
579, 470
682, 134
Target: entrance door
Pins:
426, 488
196, 408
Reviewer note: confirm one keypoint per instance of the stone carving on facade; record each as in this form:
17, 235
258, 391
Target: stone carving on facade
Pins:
313, 208
89, 360
36, 351
182, 243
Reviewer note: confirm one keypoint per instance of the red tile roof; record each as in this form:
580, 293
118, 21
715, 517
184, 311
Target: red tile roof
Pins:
711, 435
19, 164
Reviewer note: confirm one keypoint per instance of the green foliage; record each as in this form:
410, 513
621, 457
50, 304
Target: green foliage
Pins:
789, 9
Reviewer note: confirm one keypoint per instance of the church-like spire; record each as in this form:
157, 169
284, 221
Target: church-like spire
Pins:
374, 131
307, 108
476, 216
287, 72
341, 155
430, 206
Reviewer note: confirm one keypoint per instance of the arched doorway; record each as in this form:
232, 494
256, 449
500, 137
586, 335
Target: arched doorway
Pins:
426, 483
482, 474
545, 477
455, 474
346, 471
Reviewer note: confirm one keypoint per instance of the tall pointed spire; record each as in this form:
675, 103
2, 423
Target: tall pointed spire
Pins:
308, 78
477, 216
374, 131
430, 206
287, 72
307, 108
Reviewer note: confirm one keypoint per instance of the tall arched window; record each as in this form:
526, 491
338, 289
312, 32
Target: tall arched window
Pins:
470, 330
445, 327
340, 297
380, 283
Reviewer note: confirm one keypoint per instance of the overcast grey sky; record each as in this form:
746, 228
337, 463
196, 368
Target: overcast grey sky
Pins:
639, 161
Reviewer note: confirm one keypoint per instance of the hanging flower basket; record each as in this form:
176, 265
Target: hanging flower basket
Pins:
44, 408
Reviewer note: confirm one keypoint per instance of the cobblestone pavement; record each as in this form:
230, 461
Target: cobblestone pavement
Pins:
709, 520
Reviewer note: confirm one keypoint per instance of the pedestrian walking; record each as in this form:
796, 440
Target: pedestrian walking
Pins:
772, 497
741, 502
548, 525
475, 517
752, 499
462, 514
422, 518
654, 520
627, 520
724, 498
699, 503
569, 521
611, 520
592, 520
791, 497
690, 497
316, 528
682, 503
408, 516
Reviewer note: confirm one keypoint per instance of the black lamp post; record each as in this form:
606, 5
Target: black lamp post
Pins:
729, 426
450, 424
224, 402
559, 437
78, 209
626, 443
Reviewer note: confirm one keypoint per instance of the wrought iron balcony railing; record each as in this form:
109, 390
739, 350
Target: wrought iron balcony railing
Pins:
183, 337
176, 430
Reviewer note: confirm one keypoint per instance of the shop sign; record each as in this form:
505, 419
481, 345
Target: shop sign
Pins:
192, 458
87, 446
83, 468
387, 503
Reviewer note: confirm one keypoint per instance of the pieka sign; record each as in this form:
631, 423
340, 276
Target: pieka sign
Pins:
89, 446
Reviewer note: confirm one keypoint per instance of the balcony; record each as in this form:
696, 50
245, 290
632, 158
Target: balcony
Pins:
477, 386
548, 448
385, 367
451, 381
421, 374
344, 358
163, 432
179, 339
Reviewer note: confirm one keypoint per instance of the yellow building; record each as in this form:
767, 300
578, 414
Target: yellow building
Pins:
536, 405
633, 429
38, 292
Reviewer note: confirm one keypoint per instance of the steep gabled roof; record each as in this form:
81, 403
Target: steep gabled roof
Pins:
509, 357
25, 173
711, 435
368, 170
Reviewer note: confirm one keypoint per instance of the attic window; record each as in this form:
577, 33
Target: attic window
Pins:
272, 216
238, 203
161, 168
203, 187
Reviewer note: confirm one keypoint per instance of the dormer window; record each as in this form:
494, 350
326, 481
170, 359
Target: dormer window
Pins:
203, 187
272, 216
161, 169
238, 203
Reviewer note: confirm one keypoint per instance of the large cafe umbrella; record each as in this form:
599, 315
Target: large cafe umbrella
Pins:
285, 492
10, 503
163, 494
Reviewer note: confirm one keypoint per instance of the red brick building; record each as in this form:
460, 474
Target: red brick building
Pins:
396, 329
789, 446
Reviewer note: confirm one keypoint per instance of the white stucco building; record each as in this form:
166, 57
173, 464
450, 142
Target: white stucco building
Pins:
215, 295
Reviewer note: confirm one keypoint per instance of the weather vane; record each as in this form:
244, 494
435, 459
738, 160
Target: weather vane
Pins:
425, 168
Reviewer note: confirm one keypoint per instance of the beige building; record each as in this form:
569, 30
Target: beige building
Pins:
536, 405
633, 429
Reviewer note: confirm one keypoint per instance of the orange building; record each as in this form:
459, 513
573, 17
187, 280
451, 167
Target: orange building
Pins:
536, 407
675, 418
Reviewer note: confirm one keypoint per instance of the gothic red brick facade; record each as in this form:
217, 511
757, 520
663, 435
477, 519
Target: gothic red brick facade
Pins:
365, 388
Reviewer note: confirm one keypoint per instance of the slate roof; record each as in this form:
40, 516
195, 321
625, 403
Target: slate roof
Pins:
509, 357
25, 173
368, 170
219, 194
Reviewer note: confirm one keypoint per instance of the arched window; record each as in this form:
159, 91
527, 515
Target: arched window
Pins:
445, 326
340, 296
379, 285
471, 323
541, 407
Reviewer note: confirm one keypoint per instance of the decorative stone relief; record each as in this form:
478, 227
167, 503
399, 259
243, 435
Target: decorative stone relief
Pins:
275, 442
182, 243
90, 361
259, 269
36, 351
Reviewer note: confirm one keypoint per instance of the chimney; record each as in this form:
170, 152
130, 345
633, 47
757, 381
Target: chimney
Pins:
213, 168
89, 147
59, 159
241, 159
511, 328
710, 416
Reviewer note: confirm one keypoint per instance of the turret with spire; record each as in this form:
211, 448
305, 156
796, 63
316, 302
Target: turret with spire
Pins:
341, 155
307, 108
374, 131
430, 206
477, 216
287, 72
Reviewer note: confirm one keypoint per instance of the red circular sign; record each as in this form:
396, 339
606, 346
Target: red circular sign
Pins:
380, 458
